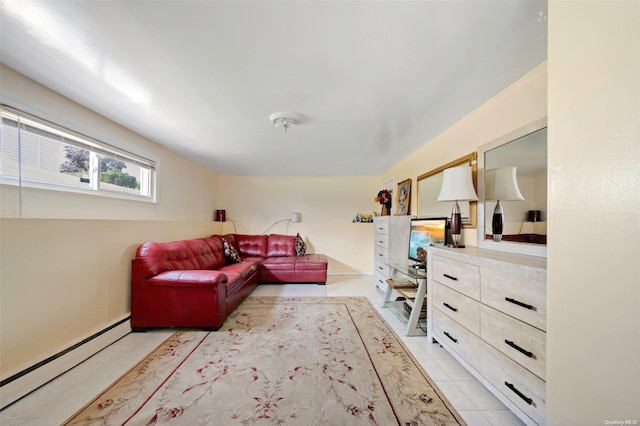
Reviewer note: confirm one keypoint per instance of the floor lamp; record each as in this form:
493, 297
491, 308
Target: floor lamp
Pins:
457, 185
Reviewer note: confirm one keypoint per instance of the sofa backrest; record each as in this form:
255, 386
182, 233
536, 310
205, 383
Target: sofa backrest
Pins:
263, 245
251, 245
281, 245
200, 253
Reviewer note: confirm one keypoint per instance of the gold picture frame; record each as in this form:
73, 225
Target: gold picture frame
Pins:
403, 198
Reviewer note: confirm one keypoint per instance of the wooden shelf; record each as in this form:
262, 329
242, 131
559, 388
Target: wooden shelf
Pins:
398, 285
409, 293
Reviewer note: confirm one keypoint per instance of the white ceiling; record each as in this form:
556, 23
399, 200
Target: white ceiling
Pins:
373, 80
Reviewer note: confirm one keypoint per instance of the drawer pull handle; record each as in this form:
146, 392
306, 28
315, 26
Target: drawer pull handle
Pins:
518, 348
380, 241
516, 302
450, 337
520, 394
450, 277
450, 307
381, 268
380, 254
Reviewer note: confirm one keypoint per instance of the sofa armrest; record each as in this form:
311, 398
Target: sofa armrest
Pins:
189, 278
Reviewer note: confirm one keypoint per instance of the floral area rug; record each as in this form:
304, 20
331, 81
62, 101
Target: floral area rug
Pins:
278, 361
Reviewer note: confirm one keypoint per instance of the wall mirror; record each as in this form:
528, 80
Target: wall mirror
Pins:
429, 187
525, 227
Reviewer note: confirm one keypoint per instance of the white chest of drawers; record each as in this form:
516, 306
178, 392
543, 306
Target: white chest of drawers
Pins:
391, 240
488, 309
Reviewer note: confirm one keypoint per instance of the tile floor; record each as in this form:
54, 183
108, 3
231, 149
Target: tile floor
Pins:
53, 403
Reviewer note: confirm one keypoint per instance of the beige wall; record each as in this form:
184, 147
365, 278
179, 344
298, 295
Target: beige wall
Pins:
593, 367
521, 103
175, 173
62, 280
66, 257
327, 205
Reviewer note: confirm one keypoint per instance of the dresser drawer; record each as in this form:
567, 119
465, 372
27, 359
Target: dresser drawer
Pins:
458, 338
462, 309
381, 227
381, 268
459, 276
380, 280
519, 297
381, 254
382, 241
525, 390
519, 341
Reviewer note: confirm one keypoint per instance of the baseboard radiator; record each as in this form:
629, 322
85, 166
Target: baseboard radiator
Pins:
18, 384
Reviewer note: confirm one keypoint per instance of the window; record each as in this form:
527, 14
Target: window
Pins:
36, 153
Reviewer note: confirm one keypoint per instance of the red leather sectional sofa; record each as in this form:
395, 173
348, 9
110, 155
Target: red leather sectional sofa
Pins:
190, 283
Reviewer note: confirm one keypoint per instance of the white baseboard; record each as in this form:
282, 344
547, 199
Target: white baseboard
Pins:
22, 383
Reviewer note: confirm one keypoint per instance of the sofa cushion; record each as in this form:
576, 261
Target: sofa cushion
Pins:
234, 283
301, 247
281, 245
280, 262
190, 278
245, 269
239, 273
230, 252
252, 245
311, 261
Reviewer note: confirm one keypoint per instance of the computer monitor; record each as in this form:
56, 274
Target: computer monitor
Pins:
425, 232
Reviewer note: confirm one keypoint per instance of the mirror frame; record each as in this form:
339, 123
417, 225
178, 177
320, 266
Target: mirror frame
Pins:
466, 160
513, 247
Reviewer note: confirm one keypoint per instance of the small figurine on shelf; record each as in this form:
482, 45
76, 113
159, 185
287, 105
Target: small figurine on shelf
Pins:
384, 198
363, 218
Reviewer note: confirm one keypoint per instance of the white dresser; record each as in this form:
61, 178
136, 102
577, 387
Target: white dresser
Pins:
488, 309
391, 245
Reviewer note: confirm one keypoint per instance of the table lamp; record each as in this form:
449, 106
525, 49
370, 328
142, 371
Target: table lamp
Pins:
501, 185
457, 185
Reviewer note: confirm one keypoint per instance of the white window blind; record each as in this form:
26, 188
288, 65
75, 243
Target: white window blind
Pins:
36, 152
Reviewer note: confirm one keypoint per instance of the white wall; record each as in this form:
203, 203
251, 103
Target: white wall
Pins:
593, 367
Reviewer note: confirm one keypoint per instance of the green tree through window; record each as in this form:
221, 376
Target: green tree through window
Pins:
111, 170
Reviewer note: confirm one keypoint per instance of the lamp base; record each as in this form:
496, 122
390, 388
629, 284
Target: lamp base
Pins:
456, 225
497, 223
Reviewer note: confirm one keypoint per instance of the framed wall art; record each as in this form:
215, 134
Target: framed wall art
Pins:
403, 198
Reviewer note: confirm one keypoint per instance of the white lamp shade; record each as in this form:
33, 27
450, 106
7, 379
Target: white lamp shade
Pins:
501, 184
457, 185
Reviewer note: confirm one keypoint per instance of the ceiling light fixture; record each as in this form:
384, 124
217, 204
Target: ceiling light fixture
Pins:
285, 119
